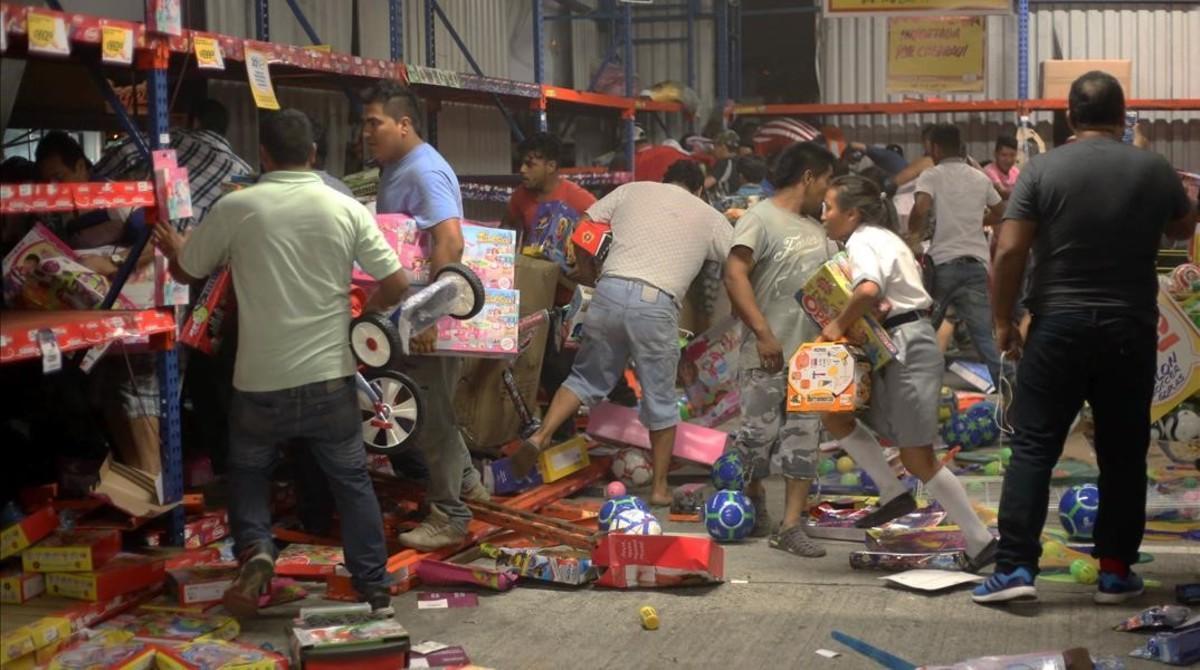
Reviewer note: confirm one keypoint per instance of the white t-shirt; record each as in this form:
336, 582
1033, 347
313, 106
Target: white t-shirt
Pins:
661, 235
291, 242
961, 195
879, 255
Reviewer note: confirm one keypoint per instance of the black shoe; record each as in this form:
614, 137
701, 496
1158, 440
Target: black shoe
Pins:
984, 558
381, 603
890, 511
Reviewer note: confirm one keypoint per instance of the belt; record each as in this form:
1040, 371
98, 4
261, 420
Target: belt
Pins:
962, 260
901, 319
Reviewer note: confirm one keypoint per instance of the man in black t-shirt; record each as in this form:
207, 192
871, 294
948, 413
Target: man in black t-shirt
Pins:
1093, 213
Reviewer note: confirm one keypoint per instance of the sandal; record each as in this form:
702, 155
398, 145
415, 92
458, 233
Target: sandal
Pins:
795, 541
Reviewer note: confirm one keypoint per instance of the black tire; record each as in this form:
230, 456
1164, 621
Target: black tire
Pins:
472, 280
375, 342
404, 409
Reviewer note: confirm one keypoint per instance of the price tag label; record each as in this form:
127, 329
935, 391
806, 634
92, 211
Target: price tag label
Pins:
47, 32
116, 42
93, 355
208, 53
51, 354
419, 74
259, 74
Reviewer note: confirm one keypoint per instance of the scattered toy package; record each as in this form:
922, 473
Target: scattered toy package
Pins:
827, 293
216, 304
173, 627
916, 540
218, 655
896, 562
42, 272
18, 586
492, 333
563, 459
633, 561
616, 424
202, 584
382, 643
17, 536
441, 573
828, 377
122, 574
72, 551
556, 565
109, 652
308, 560
500, 479
1156, 618
708, 370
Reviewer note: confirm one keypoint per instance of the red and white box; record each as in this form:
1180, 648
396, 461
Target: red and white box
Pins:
202, 584
656, 561
25, 532
72, 551
121, 575
18, 586
308, 561
217, 302
197, 531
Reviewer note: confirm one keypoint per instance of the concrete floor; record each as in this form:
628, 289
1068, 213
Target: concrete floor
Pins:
778, 619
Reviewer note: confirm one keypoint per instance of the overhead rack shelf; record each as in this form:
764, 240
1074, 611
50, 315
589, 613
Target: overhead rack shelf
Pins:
943, 106
78, 330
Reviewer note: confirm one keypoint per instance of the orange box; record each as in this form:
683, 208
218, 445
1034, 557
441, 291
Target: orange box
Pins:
1058, 75
828, 377
18, 586
125, 573
25, 532
203, 584
72, 551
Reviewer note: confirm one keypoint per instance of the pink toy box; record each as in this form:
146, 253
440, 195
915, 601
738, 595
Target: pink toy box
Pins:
489, 252
490, 334
613, 423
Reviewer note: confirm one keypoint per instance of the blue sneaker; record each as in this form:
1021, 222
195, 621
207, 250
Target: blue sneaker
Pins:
1004, 587
1114, 590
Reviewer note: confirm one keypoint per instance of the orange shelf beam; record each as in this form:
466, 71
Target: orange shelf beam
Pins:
559, 94
946, 106
75, 330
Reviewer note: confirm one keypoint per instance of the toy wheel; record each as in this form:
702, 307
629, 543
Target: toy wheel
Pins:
469, 304
396, 421
374, 341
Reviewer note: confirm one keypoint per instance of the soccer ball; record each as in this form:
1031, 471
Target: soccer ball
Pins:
954, 431
632, 467
728, 472
635, 522
614, 506
1077, 510
982, 430
728, 516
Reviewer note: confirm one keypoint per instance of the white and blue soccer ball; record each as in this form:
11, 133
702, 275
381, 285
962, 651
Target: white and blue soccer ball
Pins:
1078, 509
614, 506
729, 472
635, 522
728, 516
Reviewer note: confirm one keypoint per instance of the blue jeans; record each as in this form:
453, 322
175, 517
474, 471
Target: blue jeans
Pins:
1108, 359
628, 319
323, 417
963, 284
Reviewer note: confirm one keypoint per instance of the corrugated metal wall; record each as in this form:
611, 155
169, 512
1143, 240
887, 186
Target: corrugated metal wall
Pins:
1162, 40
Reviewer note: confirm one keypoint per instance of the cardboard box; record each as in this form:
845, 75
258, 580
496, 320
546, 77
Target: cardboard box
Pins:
197, 531
615, 424
27, 531
554, 223
1058, 75
499, 479
593, 237
308, 560
708, 369
824, 296
636, 561
492, 333
26, 640
374, 644
489, 252
72, 551
828, 377
18, 586
136, 492
556, 565
122, 574
171, 627
563, 459
107, 654
218, 655
203, 583
217, 302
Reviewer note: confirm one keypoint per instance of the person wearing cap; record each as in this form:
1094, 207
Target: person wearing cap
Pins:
722, 181
651, 161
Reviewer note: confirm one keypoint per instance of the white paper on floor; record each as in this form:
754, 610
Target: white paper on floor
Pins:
827, 653
931, 580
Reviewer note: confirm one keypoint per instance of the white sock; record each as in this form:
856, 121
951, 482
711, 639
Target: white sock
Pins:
948, 491
866, 452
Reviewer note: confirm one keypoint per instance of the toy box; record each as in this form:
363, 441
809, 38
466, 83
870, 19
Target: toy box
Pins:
42, 272
170, 627
554, 223
25, 532
563, 565
634, 561
122, 574
708, 369
574, 313
503, 481
824, 296
18, 586
828, 377
202, 583
216, 303
490, 334
308, 560
373, 644
563, 459
916, 540
896, 562
174, 194
489, 252
72, 551
28, 639
106, 653
593, 237
620, 425
218, 655
197, 531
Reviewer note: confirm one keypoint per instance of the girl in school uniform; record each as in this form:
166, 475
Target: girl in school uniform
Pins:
904, 392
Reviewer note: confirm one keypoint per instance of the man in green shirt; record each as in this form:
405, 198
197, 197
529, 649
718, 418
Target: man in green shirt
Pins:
777, 246
291, 242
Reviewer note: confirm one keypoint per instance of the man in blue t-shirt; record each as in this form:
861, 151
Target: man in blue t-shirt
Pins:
417, 181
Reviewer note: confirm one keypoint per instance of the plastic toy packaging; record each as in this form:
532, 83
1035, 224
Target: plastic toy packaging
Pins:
891, 561
1042, 660
1180, 647
1164, 617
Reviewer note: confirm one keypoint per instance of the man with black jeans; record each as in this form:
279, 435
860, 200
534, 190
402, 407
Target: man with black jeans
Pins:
291, 242
1093, 213
963, 202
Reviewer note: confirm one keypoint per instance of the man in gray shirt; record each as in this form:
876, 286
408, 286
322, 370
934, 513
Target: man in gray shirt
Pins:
777, 246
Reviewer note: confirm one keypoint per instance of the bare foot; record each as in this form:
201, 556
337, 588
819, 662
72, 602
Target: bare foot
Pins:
661, 499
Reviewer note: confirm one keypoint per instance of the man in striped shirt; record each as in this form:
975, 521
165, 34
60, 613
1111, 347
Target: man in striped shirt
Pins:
201, 148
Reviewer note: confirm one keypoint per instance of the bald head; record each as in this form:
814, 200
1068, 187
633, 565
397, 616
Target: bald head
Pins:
1096, 101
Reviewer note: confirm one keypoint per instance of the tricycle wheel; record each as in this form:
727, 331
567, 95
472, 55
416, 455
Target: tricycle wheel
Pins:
470, 304
395, 422
374, 341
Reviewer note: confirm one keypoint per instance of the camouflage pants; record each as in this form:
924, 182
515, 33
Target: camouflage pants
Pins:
772, 438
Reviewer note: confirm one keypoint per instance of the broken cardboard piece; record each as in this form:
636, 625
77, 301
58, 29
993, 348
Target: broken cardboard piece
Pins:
613, 423
131, 490
633, 561
931, 580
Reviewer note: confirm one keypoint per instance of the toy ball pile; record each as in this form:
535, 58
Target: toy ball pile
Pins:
972, 429
632, 467
728, 516
630, 515
729, 472
1077, 510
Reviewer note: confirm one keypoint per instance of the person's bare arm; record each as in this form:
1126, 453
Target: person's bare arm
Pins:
447, 248
171, 242
863, 301
913, 170
389, 293
1008, 268
995, 214
745, 307
587, 268
918, 218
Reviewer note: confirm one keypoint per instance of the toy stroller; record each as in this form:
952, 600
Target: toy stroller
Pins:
392, 408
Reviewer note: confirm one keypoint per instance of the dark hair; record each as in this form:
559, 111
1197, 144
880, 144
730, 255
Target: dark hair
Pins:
857, 192
881, 178
287, 136
398, 102
1006, 142
947, 137
59, 143
18, 170
543, 145
320, 139
751, 169
686, 173
926, 130
793, 161
1096, 99
211, 114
